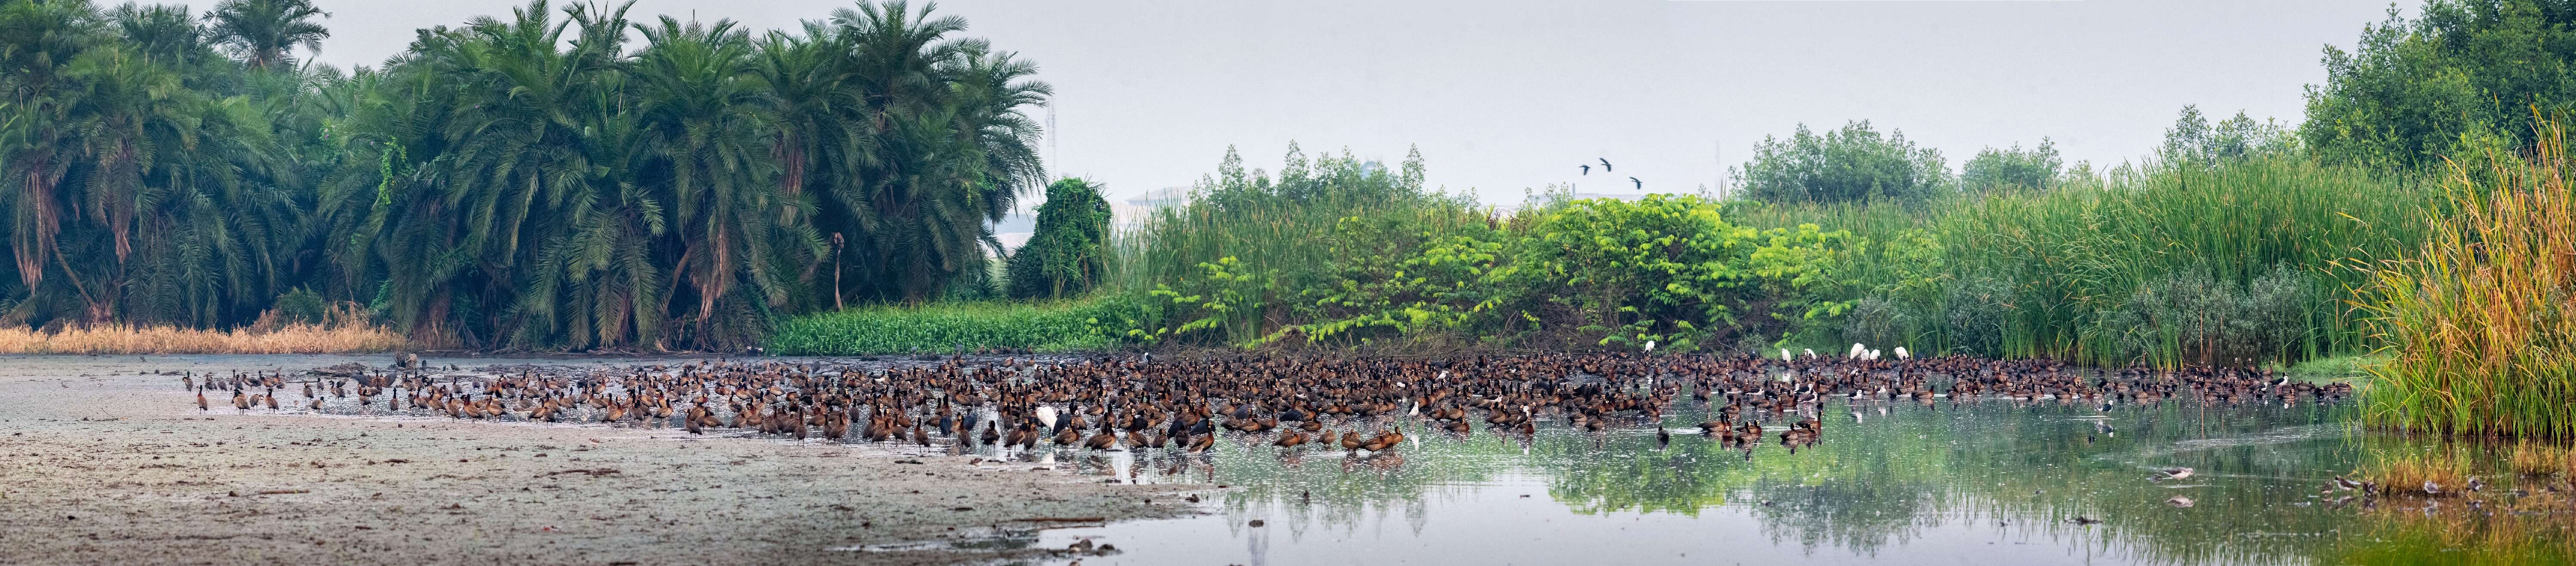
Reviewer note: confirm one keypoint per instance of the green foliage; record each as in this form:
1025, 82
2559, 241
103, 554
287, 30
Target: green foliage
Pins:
1069, 252
2193, 141
943, 328
302, 306
1669, 269
2015, 168
515, 187
2479, 315
264, 33
141, 189
1855, 163
2463, 78
1252, 254
1252, 261
2060, 273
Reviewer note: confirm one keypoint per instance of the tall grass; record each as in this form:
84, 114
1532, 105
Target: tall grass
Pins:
1049, 326
122, 339
2483, 318
2242, 262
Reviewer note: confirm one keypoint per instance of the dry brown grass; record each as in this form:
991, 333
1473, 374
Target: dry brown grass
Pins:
2407, 475
2533, 459
121, 339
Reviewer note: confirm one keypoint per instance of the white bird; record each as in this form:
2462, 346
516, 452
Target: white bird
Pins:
1856, 350
1650, 345
1784, 354
1873, 354
1900, 354
1046, 416
1811, 353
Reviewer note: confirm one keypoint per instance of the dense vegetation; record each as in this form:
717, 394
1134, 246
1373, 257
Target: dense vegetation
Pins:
1069, 252
2464, 79
546, 180
2481, 315
2215, 256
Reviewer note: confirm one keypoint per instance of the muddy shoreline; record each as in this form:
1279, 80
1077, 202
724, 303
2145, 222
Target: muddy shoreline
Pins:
109, 464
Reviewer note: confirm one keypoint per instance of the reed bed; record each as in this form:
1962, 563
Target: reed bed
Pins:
2239, 263
2536, 459
2408, 474
2483, 319
122, 339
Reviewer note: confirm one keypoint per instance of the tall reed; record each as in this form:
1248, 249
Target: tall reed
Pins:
2074, 273
2482, 320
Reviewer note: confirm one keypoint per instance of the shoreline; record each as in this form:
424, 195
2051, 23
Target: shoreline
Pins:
109, 466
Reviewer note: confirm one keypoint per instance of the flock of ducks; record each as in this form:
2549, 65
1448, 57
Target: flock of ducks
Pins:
1140, 403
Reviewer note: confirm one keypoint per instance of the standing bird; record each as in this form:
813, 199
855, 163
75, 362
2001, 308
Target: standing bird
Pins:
201, 401
1605, 165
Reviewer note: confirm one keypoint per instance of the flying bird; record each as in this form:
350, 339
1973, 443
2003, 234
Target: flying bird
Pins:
1641, 185
1605, 165
1587, 169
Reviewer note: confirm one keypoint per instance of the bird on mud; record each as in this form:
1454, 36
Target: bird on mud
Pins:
1173, 405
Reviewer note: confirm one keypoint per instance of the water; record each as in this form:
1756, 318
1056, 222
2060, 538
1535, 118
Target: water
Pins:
1987, 482
1983, 482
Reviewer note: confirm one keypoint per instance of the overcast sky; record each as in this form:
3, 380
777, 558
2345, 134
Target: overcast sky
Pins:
1503, 96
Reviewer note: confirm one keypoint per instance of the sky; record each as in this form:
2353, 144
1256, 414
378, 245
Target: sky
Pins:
1506, 96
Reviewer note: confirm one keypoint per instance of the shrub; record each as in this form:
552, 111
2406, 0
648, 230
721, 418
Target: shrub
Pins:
1068, 253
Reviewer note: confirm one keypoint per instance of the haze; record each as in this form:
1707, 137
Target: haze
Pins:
1504, 96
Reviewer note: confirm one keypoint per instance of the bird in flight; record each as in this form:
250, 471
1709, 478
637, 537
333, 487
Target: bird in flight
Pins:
1587, 169
1605, 165
1641, 185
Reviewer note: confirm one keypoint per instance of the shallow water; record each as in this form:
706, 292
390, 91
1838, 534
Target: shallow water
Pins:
1986, 482
1982, 482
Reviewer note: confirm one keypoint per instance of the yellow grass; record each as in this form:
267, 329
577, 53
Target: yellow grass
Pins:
2540, 460
2407, 474
121, 339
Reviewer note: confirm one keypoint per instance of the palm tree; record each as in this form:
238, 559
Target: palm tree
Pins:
133, 197
264, 33
951, 150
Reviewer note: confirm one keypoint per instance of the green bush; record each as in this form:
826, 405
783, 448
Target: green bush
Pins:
1068, 254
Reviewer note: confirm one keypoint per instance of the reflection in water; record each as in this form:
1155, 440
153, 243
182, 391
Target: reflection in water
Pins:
1990, 482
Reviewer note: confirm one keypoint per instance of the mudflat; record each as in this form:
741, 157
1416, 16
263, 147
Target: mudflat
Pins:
106, 461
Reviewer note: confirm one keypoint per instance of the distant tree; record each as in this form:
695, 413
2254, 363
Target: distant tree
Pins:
2465, 75
263, 34
1855, 163
2193, 140
1992, 169
1066, 256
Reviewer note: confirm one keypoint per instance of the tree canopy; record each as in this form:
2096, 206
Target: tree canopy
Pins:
1854, 163
2465, 75
562, 177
